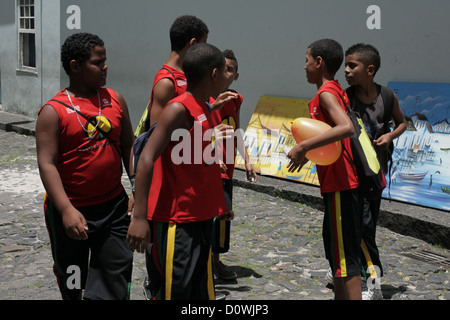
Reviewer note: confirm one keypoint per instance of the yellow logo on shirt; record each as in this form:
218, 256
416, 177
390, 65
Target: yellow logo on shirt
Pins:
104, 127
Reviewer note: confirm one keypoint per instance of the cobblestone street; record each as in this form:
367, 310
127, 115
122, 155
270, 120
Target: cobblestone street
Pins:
276, 245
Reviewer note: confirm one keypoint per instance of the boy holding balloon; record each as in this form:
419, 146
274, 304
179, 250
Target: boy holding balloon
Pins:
338, 180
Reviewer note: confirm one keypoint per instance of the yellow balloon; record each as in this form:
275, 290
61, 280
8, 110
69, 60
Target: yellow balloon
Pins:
304, 128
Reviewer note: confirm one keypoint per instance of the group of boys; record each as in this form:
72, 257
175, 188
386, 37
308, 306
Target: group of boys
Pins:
350, 218
182, 212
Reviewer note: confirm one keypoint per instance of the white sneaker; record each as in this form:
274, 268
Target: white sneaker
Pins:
372, 294
329, 277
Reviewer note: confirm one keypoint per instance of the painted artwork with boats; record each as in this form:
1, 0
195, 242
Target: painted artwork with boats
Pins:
420, 172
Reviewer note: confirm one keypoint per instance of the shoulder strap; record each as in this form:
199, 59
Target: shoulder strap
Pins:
349, 112
106, 134
350, 93
174, 80
388, 101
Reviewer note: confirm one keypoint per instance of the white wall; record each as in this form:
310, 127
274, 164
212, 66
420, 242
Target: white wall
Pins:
22, 91
268, 37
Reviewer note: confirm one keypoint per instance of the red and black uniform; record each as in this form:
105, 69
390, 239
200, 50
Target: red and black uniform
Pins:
90, 167
83, 157
339, 188
228, 114
180, 84
185, 195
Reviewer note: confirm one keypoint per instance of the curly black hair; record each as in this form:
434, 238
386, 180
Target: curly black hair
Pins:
201, 59
78, 47
185, 28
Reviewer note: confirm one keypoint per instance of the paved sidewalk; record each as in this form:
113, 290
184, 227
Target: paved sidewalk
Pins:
276, 245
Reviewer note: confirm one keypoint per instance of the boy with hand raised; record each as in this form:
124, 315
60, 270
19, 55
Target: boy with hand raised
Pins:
377, 106
176, 203
228, 113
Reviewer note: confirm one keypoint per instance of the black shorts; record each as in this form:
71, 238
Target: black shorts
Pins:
104, 261
181, 265
342, 232
222, 228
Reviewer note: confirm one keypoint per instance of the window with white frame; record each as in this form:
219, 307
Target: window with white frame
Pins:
27, 35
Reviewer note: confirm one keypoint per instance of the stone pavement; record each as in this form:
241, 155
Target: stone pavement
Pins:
276, 245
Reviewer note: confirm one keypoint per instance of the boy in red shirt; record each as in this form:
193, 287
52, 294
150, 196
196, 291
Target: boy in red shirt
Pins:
229, 113
170, 81
176, 201
338, 181
80, 163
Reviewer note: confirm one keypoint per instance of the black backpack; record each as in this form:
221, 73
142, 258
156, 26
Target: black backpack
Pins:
138, 146
387, 96
141, 140
370, 174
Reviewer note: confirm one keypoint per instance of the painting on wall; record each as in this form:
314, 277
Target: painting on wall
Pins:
420, 172
269, 138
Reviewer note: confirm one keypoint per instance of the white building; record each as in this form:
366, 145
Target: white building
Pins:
269, 38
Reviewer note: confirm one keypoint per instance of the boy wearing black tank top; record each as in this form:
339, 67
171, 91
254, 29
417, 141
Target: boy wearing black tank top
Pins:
377, 106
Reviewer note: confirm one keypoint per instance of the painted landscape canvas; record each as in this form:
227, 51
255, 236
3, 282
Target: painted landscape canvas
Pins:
420, 171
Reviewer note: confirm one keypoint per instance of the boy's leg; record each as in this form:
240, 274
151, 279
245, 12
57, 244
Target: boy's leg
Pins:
182, 252
153, 264
370, 256
221, 236
348, 288
342, 238
66, 252
111, 263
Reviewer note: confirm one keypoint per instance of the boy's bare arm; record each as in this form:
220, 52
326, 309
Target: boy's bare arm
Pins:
127, 137
400, 127
163, 92
173, 117
47, 139
341, 129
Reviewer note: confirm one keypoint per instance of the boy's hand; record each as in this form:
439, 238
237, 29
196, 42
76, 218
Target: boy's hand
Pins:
222, 99
75, 224
130, 205
251, 173
223, 167
298, 159
382, 142
228, 216
223, 132
138, 236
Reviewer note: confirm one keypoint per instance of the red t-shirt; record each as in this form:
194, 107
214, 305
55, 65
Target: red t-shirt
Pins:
167, 72
341, 175
228, 114
189, 191
89, 165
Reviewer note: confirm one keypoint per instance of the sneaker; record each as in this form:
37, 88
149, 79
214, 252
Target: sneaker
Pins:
221, 271
146, 289
329, 277
220, 296
372, 294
